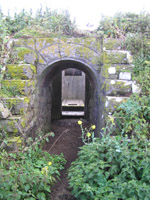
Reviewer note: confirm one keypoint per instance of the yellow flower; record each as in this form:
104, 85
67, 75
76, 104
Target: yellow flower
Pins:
49, 163
93, 127
42, 172
79, 122
112, 120
88, 134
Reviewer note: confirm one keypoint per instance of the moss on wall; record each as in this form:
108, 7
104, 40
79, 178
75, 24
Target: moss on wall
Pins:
20, 87
20, 71
105, 70
114, 58
112, 44
22, 51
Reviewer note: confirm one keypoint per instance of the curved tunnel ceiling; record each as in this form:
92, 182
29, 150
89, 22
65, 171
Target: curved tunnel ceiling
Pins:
57, 67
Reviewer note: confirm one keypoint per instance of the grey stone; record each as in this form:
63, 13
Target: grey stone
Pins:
118, 88
4, 112
125, 76
136, 88
112, 103
30, 58
111, 70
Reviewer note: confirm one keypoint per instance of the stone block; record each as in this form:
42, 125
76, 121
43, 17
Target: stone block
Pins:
116, 57
20, 71
18, 106
10, 126
4, 112
112, 103
136, 89
112, 71
118, 87
26, 54
125, 76
111, 44
19, 87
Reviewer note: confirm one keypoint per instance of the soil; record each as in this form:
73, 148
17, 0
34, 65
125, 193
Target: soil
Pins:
67, 140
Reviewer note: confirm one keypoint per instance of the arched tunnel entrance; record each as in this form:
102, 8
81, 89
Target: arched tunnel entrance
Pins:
61, 85
82, 98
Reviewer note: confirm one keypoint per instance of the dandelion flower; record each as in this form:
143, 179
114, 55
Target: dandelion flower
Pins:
93, 127
79, 122
49, 163
88, 134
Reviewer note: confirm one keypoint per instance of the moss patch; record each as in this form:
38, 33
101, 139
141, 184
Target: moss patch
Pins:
22, 51
105, 70
118, 88
115, 58
112, 44
20, 87
20, 71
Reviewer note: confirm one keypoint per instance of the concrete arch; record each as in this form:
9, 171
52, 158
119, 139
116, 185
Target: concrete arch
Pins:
49, 86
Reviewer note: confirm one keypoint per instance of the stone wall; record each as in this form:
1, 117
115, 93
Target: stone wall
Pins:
35, 80
117, 70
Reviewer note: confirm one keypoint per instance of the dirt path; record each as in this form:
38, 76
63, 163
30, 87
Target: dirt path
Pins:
68, 144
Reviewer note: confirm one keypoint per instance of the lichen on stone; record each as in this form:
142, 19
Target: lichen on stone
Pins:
20, 71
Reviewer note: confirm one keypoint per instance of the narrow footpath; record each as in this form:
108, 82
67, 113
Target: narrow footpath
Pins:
67, 140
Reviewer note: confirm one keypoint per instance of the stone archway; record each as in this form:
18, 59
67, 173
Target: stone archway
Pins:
49, 95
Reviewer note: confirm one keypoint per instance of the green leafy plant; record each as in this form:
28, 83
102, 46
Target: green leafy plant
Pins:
121, 24
9, 91
29, 174
25, 24
132, 117
113, 167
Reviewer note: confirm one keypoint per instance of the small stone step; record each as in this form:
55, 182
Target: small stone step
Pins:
18, 87
112, 103
10, 126
117, 57
117, 71
20, 71
118, 87
17, 106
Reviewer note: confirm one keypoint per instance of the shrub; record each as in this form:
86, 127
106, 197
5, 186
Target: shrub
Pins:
122, 23
114, 168
133, 117
28, 175
44, 20
137, 43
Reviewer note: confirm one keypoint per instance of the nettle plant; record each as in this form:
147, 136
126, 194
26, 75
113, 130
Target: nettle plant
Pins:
114, 168
28, 175
29, 172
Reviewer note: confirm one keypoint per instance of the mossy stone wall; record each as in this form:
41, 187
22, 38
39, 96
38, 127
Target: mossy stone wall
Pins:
30, 73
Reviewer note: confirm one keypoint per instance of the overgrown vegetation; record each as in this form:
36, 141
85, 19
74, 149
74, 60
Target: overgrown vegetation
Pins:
29, 172
116, 167
43, 23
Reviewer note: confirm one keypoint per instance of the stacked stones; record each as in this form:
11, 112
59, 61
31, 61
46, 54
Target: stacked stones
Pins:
117, 70
19, 81
110, 65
